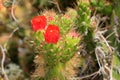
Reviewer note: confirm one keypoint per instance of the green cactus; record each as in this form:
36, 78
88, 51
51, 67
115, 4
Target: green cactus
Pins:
115, 39
57, 55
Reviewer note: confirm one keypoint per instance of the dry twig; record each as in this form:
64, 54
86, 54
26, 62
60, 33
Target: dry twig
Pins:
3, 48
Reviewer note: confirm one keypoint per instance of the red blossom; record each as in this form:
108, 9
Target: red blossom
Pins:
50, 18
73, 34
39, 23
52, 34
67, 16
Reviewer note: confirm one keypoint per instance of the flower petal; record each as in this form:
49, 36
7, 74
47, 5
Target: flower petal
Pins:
38, 23
52, 34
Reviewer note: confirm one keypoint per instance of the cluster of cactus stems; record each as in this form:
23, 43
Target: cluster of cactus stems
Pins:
57, 55
99, 41
92, 24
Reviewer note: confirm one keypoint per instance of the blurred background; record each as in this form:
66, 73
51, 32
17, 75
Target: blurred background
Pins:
20, 62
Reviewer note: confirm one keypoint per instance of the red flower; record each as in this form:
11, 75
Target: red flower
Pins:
67, 16
38, 23
74, 34
52, 34
50, 18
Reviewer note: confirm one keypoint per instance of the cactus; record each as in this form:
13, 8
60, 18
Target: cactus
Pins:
57, 54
